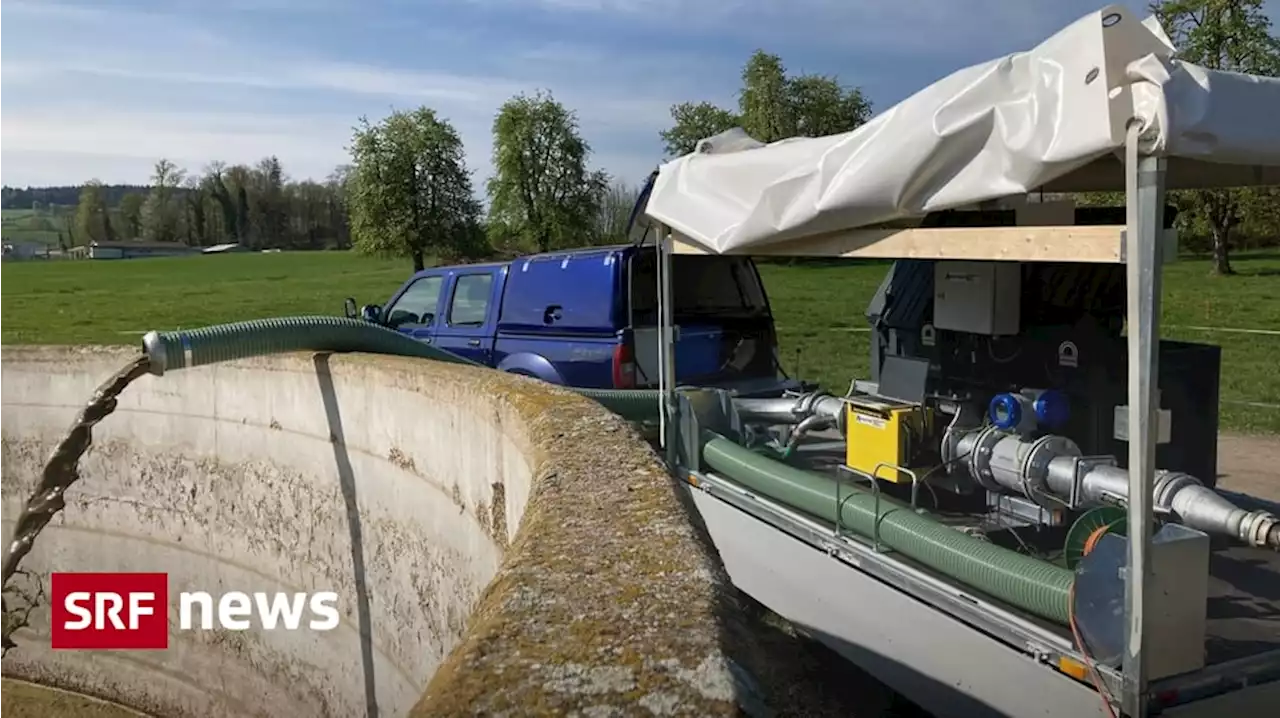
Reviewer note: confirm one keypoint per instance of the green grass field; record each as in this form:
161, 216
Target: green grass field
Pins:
819, 309
25, 225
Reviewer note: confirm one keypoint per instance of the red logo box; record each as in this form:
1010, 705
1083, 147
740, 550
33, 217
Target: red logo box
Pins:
109, 611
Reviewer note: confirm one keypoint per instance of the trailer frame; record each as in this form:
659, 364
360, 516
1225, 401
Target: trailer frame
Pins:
1141, 246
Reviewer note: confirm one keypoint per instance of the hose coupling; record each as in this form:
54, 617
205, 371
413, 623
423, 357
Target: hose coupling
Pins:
153, 347
806, 404
1261, 529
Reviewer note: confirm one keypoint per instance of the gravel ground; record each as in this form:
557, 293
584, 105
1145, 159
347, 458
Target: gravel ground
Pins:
1250, 465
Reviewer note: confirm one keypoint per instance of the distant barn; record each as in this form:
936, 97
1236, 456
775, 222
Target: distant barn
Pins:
132, 250
25, 250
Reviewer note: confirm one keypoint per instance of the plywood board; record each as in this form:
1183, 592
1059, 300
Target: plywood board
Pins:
1094, 244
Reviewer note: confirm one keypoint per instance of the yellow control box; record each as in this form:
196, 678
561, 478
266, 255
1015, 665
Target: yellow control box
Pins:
882, 432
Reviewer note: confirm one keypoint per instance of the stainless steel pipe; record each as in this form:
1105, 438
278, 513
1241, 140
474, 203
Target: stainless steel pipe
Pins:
790, 410
1034, 468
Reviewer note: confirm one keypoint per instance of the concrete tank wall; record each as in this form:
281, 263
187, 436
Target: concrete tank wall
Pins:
497, 544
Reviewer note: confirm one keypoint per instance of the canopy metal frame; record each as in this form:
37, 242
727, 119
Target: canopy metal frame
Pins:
1145, 184
1145, 201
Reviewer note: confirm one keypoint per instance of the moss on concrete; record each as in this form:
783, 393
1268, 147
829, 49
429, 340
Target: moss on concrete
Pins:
27, 700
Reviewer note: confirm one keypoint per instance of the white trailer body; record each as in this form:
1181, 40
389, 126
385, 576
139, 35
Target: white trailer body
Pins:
1101, 106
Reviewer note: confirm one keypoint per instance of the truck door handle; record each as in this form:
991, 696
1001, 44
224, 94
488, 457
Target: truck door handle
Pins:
473, 343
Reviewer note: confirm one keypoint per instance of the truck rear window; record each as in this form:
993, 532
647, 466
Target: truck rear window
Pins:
703, 286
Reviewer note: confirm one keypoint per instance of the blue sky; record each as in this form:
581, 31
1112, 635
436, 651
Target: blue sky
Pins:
102, 88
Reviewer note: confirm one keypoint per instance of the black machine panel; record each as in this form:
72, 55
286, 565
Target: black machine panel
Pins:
1071, 340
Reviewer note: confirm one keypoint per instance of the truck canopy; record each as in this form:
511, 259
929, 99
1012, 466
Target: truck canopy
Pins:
1053, 118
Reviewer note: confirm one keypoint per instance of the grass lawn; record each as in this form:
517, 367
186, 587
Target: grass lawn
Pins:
819, 309
25, 225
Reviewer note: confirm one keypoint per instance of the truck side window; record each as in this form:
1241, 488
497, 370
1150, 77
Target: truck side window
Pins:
418, 303
470, 300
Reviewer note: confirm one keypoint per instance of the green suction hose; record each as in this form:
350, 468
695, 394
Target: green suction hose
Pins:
240, 340
1028, 583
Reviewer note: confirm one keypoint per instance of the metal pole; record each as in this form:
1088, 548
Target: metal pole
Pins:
668, 340
1144, 199
660, 233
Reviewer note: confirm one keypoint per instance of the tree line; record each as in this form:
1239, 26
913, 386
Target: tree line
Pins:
40, 198
408, 191
256, 206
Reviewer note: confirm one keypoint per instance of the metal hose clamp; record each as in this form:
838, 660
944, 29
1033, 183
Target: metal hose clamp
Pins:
155, 350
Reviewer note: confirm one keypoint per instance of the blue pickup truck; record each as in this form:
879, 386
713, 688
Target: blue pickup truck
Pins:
588, 318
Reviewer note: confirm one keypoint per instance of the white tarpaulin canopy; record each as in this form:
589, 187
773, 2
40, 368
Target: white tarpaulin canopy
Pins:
1052, 118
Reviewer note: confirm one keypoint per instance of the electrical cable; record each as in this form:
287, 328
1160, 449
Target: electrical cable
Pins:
1026, 548
924, 480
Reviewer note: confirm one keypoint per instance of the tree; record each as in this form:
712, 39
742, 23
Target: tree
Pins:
239, 180
1230, 35
771, 107
131, 214
765, 103
695, 121
542, 191
1260, 212
614, 213
194, 217
70, 226
266, 204
336, 190
216, 186
409, 189
820, 106
92, 221
160, 213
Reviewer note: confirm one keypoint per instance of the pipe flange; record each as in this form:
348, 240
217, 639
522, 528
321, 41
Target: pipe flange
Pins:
1167, 485
803, 404
806, 403
980, 457
1035, 468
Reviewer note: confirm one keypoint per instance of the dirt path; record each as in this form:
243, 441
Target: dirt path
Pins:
1250, 465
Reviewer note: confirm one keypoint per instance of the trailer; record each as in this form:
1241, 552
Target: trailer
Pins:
1016, 513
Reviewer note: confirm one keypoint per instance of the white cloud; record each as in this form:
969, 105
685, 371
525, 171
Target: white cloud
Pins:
118, 88
120, 105
188, 136
308, 144
393, 82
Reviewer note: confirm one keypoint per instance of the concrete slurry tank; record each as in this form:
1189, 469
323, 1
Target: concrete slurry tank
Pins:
498, 545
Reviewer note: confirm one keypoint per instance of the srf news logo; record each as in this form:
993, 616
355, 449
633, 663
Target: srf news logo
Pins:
130, 611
